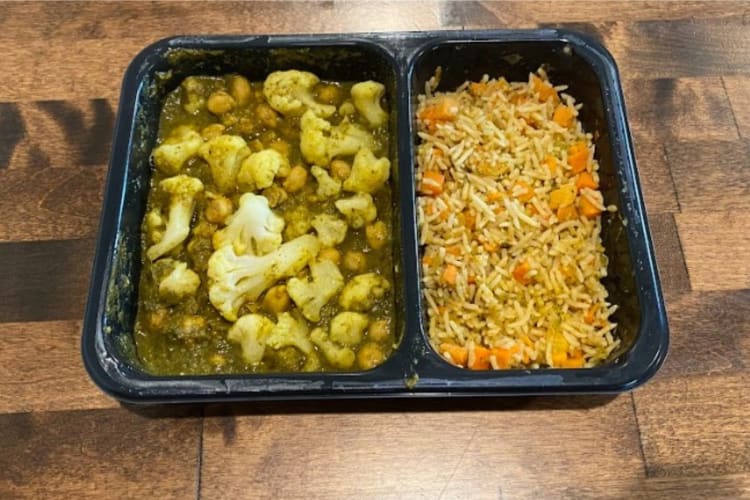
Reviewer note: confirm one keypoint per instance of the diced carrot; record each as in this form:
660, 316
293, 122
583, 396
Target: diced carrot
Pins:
564, 195
450, 273
588, 209
578, 157
575, 360
446, 109
478, 88
558, 358
432, 183
519, 273
480, 360
588, 317
544, 89
568, 212
428, 260
499, 209
517, 99
458, 354
469, 219
531, 209
444, 215
471, 279
490, 246
495, 196
563, 115
502, 356
551, 163
586, 180
523, 191
454, 250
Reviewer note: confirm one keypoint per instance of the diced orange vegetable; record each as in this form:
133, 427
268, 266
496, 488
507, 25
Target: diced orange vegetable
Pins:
578, 157
454, 250
564, 195
531, 209
450, 273
573, 361
490, 246
519, 273
563, 115
495, 196
471, 279
480, 360
544, 89
444, 215
502, 356
428, 260
429, 209
458, 354
432, 183
558, 358
586, 180
523, 191
568, 212
468, 219
588, 209
551, 163
446, 109
478, 88
499, 209
588, 317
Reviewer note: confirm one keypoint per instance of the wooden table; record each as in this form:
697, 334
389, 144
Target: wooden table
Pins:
686, 434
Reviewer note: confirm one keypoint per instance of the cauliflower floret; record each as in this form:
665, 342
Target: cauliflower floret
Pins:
331, 230
193, 92
251, 332
236, 279
224, 155
289, 332
155, 225
328, 187
358, 210
172, 154
347, 328
320, 141
339, 357
182, 191
253, 228
181, 282
297, 222
259, 169
311, 296
362, 291
290, 93
366, 97
368, 173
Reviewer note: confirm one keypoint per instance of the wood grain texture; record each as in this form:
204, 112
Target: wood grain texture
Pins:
44, 281
656, 178
687, 430
711, 175
98, 454
421, 455
669, 259
41, 369
717, 249
738, 90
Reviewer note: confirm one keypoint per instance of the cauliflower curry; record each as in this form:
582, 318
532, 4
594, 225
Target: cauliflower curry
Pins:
266, 241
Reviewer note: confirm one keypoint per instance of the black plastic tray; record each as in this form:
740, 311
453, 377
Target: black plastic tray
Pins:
403, 61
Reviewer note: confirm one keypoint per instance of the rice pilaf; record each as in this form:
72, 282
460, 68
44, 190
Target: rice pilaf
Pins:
509, 220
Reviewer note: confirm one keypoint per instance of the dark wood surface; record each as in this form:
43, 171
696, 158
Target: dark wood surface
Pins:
686, 434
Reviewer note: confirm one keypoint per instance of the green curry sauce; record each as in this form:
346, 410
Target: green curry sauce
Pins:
190, 336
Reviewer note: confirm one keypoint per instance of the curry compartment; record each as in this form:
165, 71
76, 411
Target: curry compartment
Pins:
402, 62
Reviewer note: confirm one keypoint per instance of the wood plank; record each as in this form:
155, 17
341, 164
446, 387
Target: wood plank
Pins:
711, 175
372, 453
709, 333
50, 203
717, 249
669, 259
41, 369
98, 454
684, 109
738, 90
43, 281
693, 426
653, 170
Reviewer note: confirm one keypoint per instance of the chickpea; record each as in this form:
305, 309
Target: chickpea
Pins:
340, 169
218, 209
267, 115
296, 179
220, 102
256, 146
282, 147
276, 299
377, 235
204, 229
379, 330
275, 194
329, 94
213, 130
246, 126
239, 87
370, 355
355, 261
330, 254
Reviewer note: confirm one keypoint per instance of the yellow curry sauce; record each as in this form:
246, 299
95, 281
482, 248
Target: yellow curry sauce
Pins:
187, 334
